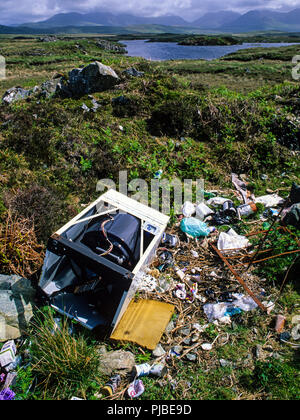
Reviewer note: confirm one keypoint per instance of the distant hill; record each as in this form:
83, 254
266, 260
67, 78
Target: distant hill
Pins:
105, 19
214, 20
264, 20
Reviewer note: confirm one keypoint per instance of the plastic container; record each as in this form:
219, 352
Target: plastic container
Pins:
229, 209
247, 209
112, 385
202, 211
141, 370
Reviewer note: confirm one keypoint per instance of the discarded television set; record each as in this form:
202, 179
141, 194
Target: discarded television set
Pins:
93, 265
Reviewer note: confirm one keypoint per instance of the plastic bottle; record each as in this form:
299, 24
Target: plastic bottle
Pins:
247, 209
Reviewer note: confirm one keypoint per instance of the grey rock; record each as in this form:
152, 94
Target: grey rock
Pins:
170, 327
191, 357
121, 100
15, 94
187, 341
120, 362
177, 349
158, 351
50, 87
48, 39
16, 306
111, 46
133, 72
184, 331
96, 77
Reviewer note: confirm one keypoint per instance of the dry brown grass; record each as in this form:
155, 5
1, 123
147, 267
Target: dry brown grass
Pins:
20, 253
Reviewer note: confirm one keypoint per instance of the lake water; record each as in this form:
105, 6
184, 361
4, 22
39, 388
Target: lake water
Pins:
159, 51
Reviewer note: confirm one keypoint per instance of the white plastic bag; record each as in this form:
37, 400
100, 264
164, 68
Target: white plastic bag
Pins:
231, 240
188, 209
272, 200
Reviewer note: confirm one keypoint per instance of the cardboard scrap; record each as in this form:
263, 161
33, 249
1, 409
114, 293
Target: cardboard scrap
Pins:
144, 323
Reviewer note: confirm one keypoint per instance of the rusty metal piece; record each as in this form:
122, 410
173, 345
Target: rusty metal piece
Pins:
285, 204
238, 277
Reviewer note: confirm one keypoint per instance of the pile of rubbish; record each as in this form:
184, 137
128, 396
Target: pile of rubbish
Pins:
204, 267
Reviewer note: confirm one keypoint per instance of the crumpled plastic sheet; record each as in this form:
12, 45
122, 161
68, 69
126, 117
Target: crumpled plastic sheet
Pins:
217, 311
194, 227
271, 200
217, 201
231, 240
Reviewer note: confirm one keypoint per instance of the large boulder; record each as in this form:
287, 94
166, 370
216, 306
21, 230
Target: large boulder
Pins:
16, 306
96, 77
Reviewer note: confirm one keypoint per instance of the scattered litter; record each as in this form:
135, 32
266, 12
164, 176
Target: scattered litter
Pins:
188, 209
231, 241
169, 240
158, 174
194, 227
217, 311
148, 283
180, 291
295, 194
8, 354
229, 209
241, 187
280, 321
111, 386
194, 254
136, 389
202, 211
246, 209
191, 357
158, 370
7, 395
217, 201
292, 216
272, 200
175, 351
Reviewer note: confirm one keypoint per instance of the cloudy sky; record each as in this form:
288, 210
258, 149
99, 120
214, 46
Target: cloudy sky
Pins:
12, 11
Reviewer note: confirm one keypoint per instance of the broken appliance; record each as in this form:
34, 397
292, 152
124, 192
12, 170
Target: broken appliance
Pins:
93, 265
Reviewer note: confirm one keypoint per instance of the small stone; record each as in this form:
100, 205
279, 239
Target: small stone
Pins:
191, 357
184, 331
159, 351
225, 363
187, 341
177, 349
206, 346
170, 327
